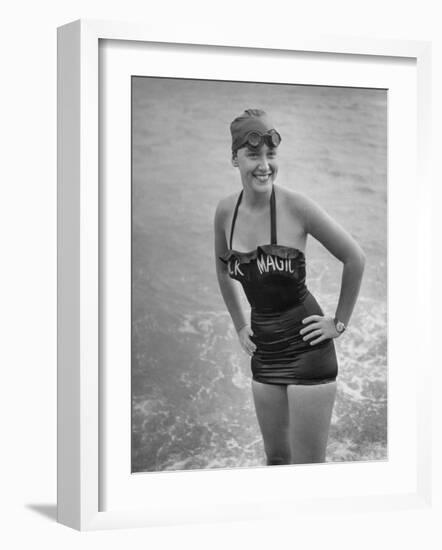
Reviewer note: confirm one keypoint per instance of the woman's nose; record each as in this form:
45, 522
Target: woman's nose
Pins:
263, 163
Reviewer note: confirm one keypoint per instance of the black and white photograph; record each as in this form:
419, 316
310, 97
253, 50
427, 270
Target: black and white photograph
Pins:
259, 274
221, 294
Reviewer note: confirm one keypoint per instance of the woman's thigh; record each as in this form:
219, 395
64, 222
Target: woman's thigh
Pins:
273, 417
310, 411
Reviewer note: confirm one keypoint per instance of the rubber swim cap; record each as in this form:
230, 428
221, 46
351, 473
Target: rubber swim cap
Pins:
252, 120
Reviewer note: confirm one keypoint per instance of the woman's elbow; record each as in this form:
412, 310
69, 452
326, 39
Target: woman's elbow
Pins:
359, 259
356, 258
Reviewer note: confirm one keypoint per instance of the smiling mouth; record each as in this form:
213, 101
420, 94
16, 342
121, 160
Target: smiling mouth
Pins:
262, 177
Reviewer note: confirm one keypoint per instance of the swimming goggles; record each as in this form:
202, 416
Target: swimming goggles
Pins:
255, 139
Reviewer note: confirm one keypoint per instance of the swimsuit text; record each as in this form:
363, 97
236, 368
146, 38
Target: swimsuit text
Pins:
265, 265
235, 269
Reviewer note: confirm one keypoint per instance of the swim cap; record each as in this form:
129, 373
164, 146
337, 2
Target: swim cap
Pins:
250, 120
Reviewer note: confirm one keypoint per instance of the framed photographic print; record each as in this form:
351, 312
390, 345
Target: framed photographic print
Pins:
163, 415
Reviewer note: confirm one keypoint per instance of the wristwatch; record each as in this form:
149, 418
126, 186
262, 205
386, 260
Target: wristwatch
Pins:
339, 325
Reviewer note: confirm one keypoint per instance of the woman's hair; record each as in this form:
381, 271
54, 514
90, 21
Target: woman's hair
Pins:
250, 120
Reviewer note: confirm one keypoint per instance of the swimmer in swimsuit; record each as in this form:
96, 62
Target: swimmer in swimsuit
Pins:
260, 238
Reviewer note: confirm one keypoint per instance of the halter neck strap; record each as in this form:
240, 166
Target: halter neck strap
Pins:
273, 234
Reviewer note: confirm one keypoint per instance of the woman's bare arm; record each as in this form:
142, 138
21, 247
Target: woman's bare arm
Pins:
342, 245
229, 288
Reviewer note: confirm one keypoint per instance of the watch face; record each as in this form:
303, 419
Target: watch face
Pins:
340, 327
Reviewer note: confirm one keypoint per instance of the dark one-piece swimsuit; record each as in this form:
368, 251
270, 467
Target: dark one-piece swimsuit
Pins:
273, 278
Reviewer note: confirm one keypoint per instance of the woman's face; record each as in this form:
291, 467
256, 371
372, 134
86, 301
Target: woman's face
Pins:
258, 168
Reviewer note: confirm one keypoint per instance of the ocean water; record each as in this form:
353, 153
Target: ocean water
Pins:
191, 399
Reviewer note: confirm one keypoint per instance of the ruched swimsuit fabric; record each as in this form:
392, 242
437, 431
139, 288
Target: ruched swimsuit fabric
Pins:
273, 279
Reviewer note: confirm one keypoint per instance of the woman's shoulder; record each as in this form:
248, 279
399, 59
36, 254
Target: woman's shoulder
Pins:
226, 205
298, 203
223, 211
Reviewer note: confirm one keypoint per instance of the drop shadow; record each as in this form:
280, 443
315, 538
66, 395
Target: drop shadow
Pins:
46, 510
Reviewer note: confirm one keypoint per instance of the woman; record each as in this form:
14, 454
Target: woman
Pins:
260, 238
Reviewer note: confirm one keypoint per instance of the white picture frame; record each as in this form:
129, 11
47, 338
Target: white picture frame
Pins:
80, 293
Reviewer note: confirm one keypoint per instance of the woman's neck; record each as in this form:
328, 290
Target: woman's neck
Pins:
256, 201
